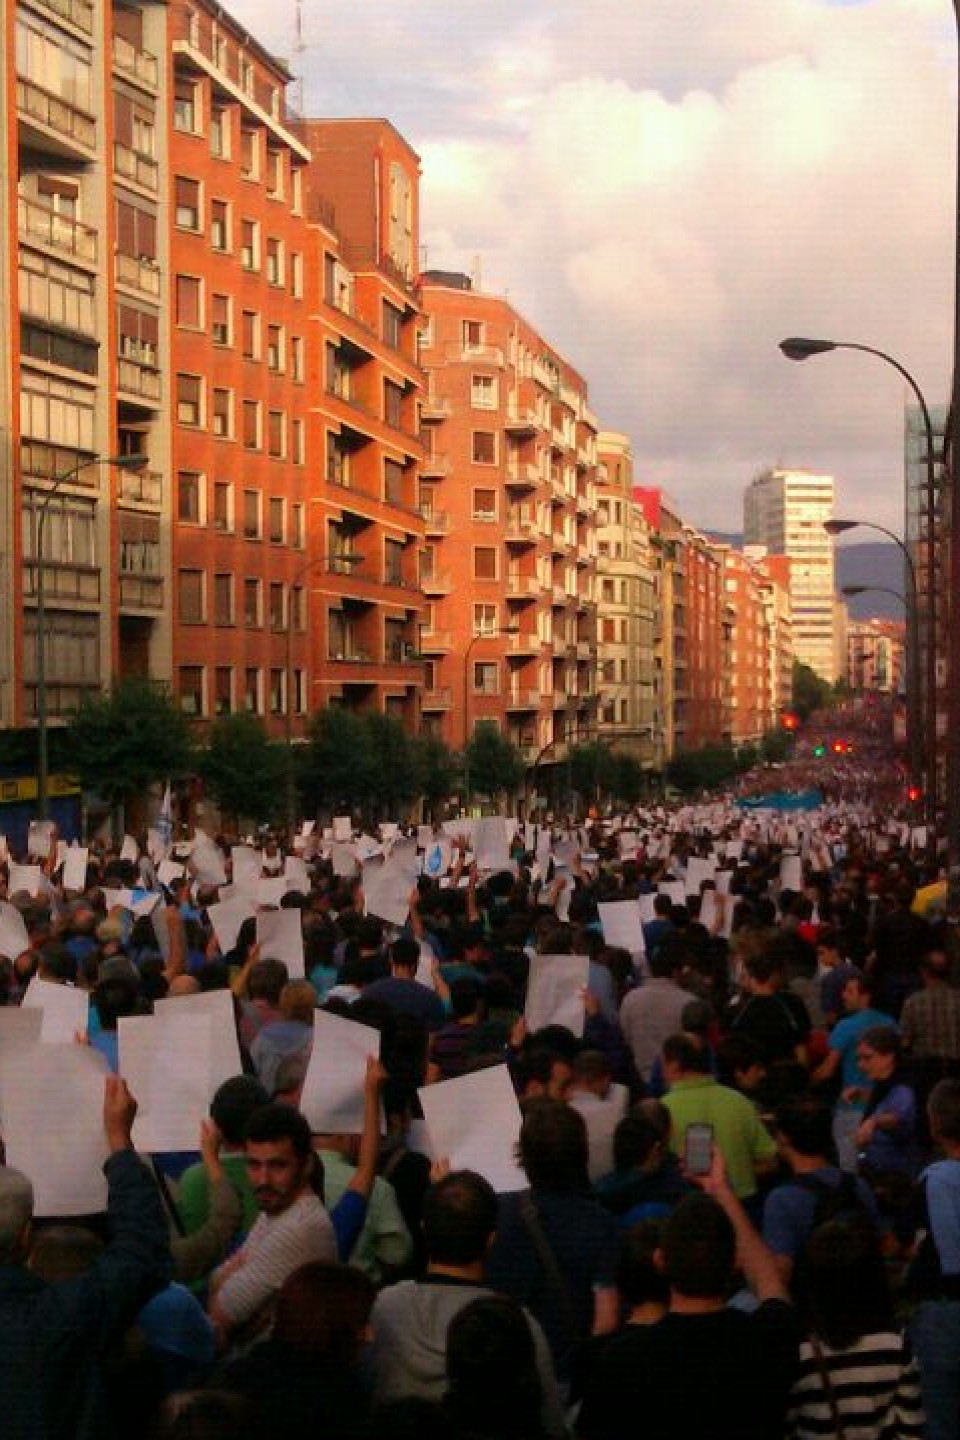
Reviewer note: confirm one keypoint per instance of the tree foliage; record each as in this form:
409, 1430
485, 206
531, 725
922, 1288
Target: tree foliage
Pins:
702, 769
495, 763
394, 773
335, 767
436, 768
122, 741
810, 691
243, 769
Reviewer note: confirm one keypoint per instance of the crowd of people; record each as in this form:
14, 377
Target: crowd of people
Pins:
739, 1150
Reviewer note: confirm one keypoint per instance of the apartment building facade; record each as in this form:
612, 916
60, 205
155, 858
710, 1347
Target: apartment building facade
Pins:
876, 655
508, 492
84, 285
702, 641
366, 527
626, 608
747, 680
785, 510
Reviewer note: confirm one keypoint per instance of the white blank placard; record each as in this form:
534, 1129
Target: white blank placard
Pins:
555, 992
474, 1121
332, 1095
51, 1114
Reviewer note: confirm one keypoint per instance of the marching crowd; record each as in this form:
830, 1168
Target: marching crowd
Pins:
731, 1043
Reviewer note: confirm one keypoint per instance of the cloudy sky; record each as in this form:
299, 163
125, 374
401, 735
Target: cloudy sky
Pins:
666, 188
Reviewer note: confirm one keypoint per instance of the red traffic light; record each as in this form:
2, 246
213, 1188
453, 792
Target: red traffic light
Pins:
914, 794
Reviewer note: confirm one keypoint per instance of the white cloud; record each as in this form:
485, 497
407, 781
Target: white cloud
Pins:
666, 188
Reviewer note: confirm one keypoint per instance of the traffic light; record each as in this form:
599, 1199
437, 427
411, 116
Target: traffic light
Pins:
819, 751
914, 794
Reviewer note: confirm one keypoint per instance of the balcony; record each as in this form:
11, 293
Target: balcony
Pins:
75, 12
523, 587
441, 699
37, 223
141, 592
558, 594
136, 167
54, 125
138, 273
439, 582
435, 465
61, 581
139, 379
435, 522
525, 645
522, 476
518, 700
520, 421
547, 377
139, 64
436, 642
141, 487
435, 407
521, 530
586, 650
476, 354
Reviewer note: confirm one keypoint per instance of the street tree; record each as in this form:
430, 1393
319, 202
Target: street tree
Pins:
496, 765
335, 767
243, 769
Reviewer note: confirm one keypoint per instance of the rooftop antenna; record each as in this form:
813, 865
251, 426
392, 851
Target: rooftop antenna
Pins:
296, 59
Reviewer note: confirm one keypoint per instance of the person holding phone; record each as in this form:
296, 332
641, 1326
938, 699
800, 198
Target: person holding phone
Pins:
696, 1099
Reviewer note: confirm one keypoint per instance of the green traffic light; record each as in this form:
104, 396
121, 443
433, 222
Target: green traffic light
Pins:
819, 750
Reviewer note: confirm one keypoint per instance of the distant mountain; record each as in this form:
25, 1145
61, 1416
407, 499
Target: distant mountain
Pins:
877, 563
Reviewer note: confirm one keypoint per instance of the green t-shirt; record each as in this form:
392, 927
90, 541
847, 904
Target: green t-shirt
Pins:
738, 1130
193, 1198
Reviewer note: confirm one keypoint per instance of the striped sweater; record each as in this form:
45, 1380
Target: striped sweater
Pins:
876, 1390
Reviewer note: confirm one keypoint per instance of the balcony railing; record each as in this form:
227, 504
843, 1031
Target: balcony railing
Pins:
134, 165
435, 465
139, 63
437, 583
141, 487
59, 232
439, 699
56, 114
41, 461
141, 592
435, 642
523, 700
77, 12
138, 378
435, 522
62, 581
139, 272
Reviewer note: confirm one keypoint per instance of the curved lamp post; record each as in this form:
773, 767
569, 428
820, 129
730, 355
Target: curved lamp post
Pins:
118, 462
798, 347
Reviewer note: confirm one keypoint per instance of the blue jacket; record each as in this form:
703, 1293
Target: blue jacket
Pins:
55, 1336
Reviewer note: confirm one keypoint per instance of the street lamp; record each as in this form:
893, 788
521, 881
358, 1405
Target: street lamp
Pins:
480, 635
798, 347
911, 603
118, 462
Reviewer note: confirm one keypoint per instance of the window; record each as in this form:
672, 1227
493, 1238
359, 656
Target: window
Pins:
473, 334
250, 244
222, 505
277, 688
220, 319
219, 225
484, 562
298, 452
299, 692
190, 497
276, 434
186, 201
296, 526
485, 505
296, 274
189, 399
221, 408
190, 689
274, 175
483, 392
486, 678
392, 320
393, 562
247, 84
223, 599
251, 425
297, 609
296, 190
222, 690
485, 620
484, 447
392, 403
251, 691
276, 513
274, 260
338, 461
249, 153
250, 335
190, 596
185, 107
220, 133
296, 359
252, 590
188, 297
252, 515
275, 356
393, 482
277, 607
